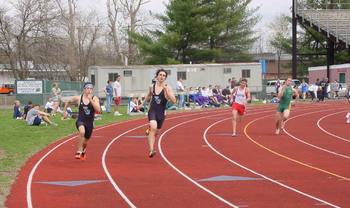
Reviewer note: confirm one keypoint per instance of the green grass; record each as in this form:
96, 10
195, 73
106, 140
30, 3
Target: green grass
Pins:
18, 142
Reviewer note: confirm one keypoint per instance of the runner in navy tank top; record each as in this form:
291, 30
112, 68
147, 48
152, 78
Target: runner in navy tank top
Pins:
158, 95
88, 106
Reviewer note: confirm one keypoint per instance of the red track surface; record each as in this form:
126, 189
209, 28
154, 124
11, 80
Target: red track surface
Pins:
303, 167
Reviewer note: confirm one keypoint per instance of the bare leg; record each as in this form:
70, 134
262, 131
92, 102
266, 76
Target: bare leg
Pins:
285, 117
278, 122
234, 121
46, 119
152, 135
81, 139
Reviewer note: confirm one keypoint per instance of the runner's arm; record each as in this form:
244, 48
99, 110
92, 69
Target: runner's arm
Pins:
74, 99
147, 98
169, 95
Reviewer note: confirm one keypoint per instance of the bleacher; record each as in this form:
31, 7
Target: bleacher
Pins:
332, 22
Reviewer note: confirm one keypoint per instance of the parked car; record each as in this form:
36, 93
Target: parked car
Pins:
271, 85
7, 89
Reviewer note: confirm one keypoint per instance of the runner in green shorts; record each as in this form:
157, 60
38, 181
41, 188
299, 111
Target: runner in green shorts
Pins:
283, 109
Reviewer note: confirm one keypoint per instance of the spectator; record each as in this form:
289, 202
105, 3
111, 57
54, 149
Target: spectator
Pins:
233, 83
334, 89
56, 96
304, 88
109, 96
278, 85
35, 116
117, 95
180, 91
27, 108
49, 105
17, 110
134, 106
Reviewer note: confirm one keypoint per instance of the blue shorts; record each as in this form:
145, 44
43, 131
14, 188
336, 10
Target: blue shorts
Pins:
37, 121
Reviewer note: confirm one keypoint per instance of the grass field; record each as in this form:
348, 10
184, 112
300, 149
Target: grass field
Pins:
18, 142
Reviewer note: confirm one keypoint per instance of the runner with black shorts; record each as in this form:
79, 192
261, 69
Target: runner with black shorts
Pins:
158, 95
88, 106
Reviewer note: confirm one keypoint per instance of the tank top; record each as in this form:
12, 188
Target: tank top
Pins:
241, 96
287, 96
86, 112
158, 103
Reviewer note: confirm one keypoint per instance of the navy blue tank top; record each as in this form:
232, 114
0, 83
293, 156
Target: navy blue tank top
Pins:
86, 112
158, 103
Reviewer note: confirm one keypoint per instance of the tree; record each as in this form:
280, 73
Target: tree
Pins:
281, 37
82, 32
200, 31
22, 30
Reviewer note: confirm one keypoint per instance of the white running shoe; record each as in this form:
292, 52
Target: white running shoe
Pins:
348, 121
348, 115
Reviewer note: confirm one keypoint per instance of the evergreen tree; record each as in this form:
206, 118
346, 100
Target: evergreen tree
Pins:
200, 31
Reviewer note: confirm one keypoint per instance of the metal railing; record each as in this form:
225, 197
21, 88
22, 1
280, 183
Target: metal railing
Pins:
329, 17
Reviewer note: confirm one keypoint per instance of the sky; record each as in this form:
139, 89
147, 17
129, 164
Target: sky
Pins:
268, 11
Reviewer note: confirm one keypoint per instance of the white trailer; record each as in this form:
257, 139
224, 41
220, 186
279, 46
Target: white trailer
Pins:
136, 79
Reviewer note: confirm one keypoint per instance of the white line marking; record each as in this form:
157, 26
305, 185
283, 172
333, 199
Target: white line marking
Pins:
327, 132
311, 145
256, 173
183, 174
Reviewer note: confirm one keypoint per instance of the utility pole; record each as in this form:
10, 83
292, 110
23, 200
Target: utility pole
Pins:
294, 40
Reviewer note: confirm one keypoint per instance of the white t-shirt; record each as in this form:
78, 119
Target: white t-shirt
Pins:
32, 113
49, 105
117, 89
179, 87
132, 105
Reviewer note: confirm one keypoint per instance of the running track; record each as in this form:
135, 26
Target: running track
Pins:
199, 164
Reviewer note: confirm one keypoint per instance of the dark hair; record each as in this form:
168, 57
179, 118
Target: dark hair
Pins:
244, 80
162, 70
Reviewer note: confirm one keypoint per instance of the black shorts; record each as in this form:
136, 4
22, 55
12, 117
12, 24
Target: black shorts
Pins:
158, 118
88, 128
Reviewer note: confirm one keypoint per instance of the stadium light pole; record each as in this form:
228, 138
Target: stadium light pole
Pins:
294, 40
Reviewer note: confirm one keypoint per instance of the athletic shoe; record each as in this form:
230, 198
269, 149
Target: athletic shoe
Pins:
348, 115
152, 153
234, 134
78, 155
348, 121
277, 132
83, 154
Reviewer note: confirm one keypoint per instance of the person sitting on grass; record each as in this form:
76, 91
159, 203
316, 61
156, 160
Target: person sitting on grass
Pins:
35, 117
134, 108
17, 110
27, 108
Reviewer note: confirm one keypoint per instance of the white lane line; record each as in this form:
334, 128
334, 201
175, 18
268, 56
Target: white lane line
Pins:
182, 173
32, 172
259, 174
35, 167
312, 145
327, 132
105, 168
